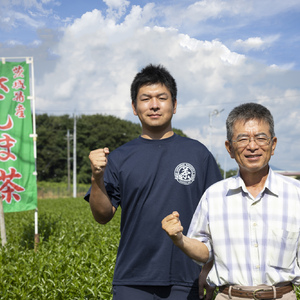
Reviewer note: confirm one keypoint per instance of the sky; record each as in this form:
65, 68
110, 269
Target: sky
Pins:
221, 53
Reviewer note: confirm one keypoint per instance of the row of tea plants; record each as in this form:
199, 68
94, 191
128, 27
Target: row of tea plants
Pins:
74, 259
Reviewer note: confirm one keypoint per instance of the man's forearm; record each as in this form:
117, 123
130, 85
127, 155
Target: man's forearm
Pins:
193, 248
100, 204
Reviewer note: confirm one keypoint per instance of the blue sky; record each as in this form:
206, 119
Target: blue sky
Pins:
221, 53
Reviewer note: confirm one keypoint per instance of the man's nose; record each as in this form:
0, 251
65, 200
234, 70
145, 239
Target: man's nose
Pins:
252, 143
154, 103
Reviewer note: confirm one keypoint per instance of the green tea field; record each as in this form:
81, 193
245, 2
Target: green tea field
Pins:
75, 257
74, 260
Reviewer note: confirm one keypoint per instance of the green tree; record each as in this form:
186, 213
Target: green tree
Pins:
93, 132
52, 146
229, 173
98, 131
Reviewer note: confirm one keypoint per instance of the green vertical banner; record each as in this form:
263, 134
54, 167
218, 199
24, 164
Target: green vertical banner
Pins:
17, 163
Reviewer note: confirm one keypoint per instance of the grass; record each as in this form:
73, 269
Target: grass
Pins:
59, 190
75, 257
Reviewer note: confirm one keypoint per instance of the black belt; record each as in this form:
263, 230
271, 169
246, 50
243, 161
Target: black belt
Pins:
263, 292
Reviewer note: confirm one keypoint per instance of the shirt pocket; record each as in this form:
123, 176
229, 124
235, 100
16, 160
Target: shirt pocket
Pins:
282, 248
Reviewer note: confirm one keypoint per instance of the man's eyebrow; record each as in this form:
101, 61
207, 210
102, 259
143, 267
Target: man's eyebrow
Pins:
242, 135
158, 95
247, 135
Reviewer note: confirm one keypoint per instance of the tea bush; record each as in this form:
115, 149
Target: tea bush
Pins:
59, 189
75, 257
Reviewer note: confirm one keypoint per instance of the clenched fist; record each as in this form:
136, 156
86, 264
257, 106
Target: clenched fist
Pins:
172, 226
98, 159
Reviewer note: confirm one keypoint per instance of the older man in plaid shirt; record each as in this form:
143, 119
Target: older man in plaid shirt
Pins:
248, 225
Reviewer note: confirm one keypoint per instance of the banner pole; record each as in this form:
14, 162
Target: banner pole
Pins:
29, 60
34, 135
2, 222
36, 234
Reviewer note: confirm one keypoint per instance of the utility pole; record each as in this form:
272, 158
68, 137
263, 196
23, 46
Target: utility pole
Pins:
69, 138
68, 158
211, 115
74, 160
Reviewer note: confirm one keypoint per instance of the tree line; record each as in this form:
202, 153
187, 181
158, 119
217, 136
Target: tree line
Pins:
92, 131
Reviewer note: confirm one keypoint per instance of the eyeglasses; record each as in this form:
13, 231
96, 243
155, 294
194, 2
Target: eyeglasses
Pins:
260, 140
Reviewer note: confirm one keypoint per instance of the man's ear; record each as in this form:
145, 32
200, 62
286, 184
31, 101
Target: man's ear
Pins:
175, 106
133, 109
274, 143
229, 149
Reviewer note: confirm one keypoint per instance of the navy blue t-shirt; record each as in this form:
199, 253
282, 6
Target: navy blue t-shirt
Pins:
150, 179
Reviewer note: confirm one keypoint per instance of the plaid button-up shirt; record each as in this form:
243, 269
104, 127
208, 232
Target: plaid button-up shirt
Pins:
252, 241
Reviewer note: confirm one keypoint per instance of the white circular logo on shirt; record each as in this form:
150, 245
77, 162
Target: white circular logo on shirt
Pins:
185, 173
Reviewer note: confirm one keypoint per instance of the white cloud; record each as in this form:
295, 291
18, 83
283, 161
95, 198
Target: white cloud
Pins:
280, 68
116, 8
255, 43
20, 17
206, 9
115, 4
99, 57
19, 13
90, 68
250, 43
216, 16
36, 43
11, 43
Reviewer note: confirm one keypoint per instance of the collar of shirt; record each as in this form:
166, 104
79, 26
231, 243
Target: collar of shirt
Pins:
236, 185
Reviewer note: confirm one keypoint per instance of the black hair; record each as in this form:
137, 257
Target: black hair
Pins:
246, 112
152, 74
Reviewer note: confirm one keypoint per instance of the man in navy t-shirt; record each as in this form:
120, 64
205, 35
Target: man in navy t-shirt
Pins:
148, 177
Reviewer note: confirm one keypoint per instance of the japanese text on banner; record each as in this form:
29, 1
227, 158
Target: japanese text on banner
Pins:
17, 162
